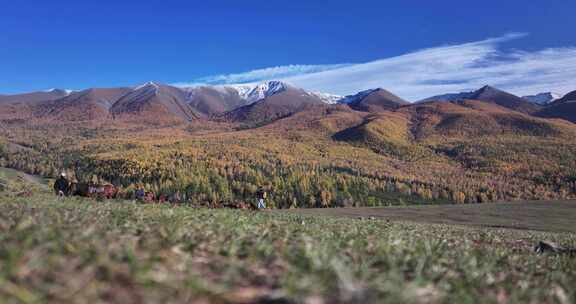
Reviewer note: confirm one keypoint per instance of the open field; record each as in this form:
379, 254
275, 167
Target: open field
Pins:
554, 216
79, 251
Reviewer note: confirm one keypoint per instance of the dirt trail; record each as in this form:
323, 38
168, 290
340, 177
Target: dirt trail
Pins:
35, 179
556, 216
27, 178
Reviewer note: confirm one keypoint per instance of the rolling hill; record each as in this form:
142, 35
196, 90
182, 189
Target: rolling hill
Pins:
469, 118
376, 100
493, 95
505, 99
407, 131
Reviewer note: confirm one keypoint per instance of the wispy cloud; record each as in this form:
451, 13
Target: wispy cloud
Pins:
423, 73
278, 72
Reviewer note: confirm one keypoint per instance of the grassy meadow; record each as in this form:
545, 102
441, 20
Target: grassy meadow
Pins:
82, 251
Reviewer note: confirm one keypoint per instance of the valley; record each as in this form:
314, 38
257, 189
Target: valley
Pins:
295, 152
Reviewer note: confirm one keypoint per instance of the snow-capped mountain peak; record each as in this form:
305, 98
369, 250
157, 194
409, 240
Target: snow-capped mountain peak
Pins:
61, 91
543, 98
149, 84
326, 97
255, 92
249, 92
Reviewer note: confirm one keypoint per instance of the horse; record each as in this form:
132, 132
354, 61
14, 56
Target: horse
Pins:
106, 191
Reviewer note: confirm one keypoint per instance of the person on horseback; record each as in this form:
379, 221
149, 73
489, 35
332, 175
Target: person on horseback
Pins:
61, 186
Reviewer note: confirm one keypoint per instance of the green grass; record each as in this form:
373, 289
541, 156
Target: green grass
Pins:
13, 182
84, 251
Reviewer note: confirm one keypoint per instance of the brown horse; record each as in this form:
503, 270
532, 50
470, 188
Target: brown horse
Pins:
107, 191
150, 197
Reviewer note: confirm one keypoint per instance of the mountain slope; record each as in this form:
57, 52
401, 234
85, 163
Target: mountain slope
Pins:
377, 100
214, 100
155, 102
84, 105
504, 99
542, 98
281, 104
564, 108
412, 131
493, 95
211, 100
449, 97
386, 133
33, 97
471, 118
570, 97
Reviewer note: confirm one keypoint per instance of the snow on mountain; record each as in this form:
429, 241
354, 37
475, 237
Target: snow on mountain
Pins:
543, 98
253, 92
193, 92
250, 92
150, 85
326, 97
65, 92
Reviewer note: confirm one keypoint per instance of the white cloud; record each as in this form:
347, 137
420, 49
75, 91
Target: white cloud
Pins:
264, 74
433, 71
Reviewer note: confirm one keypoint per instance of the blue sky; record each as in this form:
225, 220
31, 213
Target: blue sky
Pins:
333, 46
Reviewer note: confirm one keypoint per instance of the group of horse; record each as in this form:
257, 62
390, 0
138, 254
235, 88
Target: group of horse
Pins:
107, 191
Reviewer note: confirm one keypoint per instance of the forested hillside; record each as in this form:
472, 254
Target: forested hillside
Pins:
373, 151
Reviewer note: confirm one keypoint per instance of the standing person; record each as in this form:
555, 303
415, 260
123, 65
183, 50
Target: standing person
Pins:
61, 186
261, 194
140, 193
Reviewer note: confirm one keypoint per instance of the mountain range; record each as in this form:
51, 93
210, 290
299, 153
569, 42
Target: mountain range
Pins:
483, 145
253, 104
